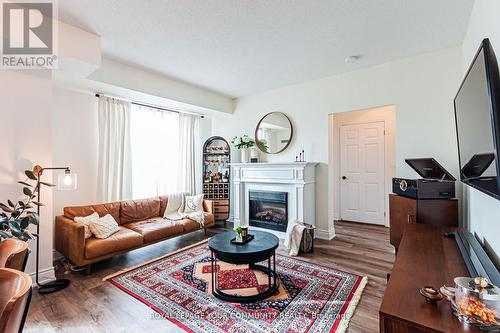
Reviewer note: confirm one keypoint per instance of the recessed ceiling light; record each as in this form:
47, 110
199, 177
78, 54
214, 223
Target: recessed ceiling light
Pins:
352, 58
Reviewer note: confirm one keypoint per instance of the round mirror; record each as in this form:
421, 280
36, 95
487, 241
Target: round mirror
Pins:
273, 133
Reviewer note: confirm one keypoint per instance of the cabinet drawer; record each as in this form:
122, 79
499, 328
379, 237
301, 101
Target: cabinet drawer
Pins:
221, 209
221, 216
221, 202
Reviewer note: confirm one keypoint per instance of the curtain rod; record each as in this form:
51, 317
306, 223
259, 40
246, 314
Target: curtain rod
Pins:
154, 106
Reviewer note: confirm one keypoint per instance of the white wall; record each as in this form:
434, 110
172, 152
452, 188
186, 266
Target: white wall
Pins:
422, 89
25, 109
482, 210
75, 135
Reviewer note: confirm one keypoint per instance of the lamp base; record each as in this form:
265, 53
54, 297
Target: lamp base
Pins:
53, 286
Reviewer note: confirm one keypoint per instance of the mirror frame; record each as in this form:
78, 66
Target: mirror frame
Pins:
257, 130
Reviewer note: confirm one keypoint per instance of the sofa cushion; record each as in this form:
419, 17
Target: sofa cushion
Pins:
190, 225
85, 220
209, 219
112, 208
122, 240
139, 210
104, 227
193, 203
72, 212
157, 228
163, 204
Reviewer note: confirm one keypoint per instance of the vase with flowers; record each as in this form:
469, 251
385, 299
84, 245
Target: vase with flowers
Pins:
243, 143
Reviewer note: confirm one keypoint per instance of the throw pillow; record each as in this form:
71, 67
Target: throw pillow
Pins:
193, 203
174, 204
104, 227
85, 220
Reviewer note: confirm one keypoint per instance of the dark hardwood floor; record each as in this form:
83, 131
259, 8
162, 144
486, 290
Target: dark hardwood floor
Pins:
91, 305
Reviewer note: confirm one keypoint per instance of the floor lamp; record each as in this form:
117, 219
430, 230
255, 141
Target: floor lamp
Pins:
66, 181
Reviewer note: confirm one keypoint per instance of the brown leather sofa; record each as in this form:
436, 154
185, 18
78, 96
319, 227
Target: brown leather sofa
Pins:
141, 223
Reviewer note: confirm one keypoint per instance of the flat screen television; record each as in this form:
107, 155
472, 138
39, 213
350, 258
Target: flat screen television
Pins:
477, 117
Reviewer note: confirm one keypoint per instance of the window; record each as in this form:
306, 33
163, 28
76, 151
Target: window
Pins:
155, 148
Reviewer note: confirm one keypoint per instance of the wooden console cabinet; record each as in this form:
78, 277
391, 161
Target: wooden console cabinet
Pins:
405, 210
221, 210
425, 258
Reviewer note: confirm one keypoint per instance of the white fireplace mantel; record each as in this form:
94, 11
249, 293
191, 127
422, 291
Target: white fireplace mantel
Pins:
297, 179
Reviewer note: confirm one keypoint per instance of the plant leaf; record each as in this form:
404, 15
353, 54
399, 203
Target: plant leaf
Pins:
27, 236
34, 218
11, 203
27, 191
47, 184
6, 208
37, 203
15, 214
24, 183
14, 227
5, 235
30, 175
25, 222
3, 223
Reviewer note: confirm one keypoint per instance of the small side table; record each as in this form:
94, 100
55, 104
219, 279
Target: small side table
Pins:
261, 248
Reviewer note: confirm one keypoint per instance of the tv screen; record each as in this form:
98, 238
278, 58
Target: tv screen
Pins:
477, 107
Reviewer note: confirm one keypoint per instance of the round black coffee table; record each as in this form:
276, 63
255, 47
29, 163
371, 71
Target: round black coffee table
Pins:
261, 248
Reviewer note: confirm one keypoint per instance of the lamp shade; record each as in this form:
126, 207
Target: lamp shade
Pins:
67, 181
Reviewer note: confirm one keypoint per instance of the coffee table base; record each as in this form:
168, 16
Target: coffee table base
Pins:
270, 291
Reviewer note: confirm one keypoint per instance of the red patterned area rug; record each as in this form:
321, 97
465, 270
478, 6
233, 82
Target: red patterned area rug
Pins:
312, 298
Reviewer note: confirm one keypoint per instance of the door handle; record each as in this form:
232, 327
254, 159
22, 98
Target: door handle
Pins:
344, 177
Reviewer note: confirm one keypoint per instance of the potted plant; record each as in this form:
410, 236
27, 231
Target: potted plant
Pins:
243, 143
239, 236
16, 217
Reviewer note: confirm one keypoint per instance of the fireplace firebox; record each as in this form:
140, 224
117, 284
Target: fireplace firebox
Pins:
268, 210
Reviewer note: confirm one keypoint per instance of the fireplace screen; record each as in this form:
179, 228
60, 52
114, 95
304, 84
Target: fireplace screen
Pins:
269, 210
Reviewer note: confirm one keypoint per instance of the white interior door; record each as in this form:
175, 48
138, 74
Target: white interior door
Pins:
362, 172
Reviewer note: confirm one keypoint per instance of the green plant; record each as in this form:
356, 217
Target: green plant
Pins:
263, 145
238, 230
15, 218
242, 142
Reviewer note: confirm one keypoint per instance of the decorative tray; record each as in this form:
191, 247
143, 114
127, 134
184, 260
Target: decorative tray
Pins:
245, 240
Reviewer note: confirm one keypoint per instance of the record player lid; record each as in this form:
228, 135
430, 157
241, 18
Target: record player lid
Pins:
429, 168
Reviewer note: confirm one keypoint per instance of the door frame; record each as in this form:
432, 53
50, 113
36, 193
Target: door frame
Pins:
386, 114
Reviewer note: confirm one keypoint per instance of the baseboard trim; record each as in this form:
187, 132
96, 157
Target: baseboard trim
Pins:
44, 275
57, 256
325, 234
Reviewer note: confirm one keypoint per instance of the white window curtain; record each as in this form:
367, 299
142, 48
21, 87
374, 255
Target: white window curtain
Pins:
189, 153
155, 150
115, 162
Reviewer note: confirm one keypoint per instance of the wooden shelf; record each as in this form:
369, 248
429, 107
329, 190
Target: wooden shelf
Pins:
217, 191
216, 154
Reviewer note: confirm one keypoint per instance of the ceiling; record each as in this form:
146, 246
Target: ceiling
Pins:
241, 47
